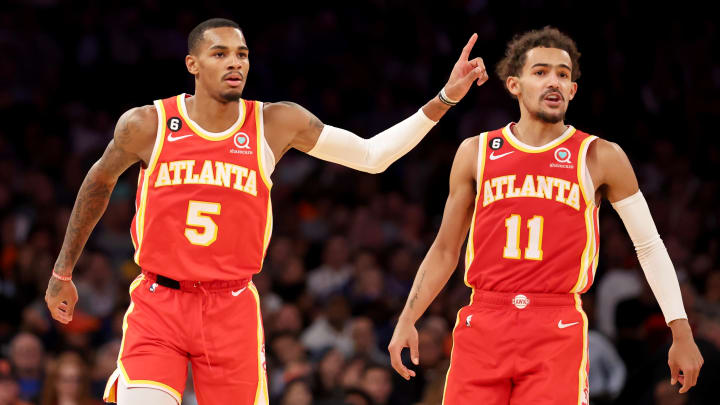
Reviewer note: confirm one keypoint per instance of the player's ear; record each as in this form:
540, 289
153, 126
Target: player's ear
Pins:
191, 64
513, 85
573, 90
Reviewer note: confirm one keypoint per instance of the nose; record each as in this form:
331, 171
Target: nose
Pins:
235, 62
554, 80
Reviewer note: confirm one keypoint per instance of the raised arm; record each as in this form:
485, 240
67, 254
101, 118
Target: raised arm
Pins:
288, 125
133, 141
442, 258
611, 169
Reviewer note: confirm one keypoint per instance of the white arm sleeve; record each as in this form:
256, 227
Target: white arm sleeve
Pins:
652, 254
372, 155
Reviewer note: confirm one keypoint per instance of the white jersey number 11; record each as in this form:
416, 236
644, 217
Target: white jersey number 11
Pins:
512, 243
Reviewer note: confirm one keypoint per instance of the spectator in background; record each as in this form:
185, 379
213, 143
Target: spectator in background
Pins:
105, 363
607, 370
327, 375
365, 343
334, 272
287, 361
331, 328
68, 382
377, 382
9, 389
356, 396
297, 392
97, 287
28, 358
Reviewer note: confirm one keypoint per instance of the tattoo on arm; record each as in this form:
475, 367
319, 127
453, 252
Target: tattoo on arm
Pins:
89, 207
417, 291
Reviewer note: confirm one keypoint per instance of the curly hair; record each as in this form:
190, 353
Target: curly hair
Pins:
548, 37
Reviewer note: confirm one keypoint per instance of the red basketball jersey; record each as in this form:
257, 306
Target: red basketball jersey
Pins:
203, 203
535, 226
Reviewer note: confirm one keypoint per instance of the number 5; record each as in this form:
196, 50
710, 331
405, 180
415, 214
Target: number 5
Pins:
197, 217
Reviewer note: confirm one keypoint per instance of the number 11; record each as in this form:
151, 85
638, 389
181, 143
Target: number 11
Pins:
512, 244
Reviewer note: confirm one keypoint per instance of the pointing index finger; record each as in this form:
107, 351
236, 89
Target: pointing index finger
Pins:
468, 47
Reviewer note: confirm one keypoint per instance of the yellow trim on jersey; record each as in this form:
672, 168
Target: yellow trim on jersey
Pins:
447, 375
261, 395
586, 260
260, 131
159, 139
110, 393
211, 136
511, 138
268, 229
470, 248
582, 372
581, 167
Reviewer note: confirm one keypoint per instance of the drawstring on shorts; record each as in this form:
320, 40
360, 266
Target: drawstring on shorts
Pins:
205, 297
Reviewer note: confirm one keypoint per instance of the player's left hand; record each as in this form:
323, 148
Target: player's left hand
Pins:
465, 72
684, 356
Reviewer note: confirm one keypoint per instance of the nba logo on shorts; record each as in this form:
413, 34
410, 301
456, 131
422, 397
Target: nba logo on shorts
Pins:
520, 301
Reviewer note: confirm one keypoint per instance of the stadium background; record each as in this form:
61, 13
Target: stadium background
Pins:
346, 245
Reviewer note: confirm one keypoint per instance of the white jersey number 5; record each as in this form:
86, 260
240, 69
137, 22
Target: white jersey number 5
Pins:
197, 216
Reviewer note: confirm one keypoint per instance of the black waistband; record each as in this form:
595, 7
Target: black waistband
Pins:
167, 282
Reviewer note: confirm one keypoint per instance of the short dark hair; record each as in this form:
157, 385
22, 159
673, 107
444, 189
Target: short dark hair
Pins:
548, 37
196, 35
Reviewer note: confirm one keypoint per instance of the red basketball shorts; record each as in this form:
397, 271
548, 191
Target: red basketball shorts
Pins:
517, 349
216, 326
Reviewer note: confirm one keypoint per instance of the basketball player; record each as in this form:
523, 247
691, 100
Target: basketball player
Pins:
204, 218
529, 194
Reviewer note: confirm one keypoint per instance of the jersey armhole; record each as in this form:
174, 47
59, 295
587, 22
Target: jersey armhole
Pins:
482, 142
584, 177
266, 159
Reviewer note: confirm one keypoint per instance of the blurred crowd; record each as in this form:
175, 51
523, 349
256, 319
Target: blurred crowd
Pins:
346, 245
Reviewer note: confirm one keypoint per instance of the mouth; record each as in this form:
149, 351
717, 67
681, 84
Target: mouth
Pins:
233, 79
553, 99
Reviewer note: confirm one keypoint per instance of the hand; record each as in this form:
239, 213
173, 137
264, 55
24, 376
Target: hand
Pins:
61, 297
405, 335
684, 356
465, 72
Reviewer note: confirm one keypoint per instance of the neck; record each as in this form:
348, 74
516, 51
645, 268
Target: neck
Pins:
535, 132
210, 113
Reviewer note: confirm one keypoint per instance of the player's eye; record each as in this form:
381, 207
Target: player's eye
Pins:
219, 54
563, 75
539, 73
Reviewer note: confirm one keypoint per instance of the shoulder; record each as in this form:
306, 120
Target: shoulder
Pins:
469, 146
466, 157
283, 110
605, 153
135, 126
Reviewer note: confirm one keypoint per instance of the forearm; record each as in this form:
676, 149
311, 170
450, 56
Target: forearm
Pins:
435, 109
652, 255
431, 277
375, 154
90, 204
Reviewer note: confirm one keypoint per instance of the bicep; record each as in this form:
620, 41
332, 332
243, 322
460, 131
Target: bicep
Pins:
291, 126
619, 180
134, 136
460, 202
114, 162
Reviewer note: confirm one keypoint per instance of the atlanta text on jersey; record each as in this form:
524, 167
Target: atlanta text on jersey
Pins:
212, 173
534, 187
